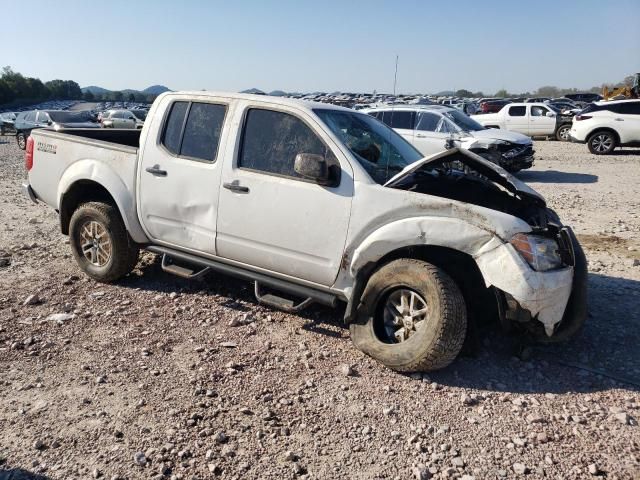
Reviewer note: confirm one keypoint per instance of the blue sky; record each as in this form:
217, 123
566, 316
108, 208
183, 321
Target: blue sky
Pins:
346, 45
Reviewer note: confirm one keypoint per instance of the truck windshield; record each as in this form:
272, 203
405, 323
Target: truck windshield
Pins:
462, 121
380, 150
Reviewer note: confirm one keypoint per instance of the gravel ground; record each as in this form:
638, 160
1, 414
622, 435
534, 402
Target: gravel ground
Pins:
158, 377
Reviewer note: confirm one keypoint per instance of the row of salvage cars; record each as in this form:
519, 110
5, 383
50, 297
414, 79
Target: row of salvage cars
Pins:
23, 123
434, 128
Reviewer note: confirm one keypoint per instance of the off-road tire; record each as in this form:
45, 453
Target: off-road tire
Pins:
22, 140
433, 346
597, 137
124, 251
562, 134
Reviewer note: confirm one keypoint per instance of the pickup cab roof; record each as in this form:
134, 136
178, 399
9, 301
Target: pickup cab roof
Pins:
293, 102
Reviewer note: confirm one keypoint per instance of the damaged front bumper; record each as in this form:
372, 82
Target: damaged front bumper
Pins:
551, 305
510, 157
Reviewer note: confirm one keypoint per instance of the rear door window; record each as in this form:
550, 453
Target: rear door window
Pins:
630, 108
519, 111
43, 117
400, 119
202, 131
427, 121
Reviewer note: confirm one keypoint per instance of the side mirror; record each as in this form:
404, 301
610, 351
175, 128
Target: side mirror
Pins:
550, 114
312, 166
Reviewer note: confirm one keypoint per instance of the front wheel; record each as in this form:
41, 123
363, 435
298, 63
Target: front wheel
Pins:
601, 143
22, 140
412, 317
100, 242
562, 134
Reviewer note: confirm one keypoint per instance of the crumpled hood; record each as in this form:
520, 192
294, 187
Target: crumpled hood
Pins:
490, 170
500, 134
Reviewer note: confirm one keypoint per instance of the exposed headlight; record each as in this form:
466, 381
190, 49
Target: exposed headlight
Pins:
541, 253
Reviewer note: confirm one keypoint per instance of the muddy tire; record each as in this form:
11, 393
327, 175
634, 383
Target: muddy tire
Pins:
100, 242
22, 140
394, 332
562, 134
602, 142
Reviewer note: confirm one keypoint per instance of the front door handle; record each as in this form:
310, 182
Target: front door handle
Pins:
420, 135
619, 119
236, 187
156, 170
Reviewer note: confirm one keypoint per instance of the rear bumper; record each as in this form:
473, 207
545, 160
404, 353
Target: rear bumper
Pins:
574, 139
28, 192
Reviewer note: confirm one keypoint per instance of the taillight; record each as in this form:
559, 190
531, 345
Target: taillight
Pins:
28, 154
582, 117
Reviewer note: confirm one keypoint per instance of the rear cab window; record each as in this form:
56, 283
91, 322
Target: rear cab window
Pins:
518, 111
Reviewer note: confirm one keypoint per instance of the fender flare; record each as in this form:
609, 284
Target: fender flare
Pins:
106, 177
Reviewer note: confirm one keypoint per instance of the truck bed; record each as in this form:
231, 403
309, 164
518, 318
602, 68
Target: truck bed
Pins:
106, 157
127, 137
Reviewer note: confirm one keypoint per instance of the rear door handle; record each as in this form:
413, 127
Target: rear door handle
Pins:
236, 187
619, 119
156, 170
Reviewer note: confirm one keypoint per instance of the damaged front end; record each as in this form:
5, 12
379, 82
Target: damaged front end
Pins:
513, 157
539, 275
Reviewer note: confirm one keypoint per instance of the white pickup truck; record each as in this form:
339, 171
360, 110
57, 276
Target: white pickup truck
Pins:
317, 203
533, 119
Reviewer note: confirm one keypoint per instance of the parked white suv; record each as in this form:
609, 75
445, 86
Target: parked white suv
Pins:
604, 126
434, 128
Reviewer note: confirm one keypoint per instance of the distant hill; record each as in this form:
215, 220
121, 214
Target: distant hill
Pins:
277, 93
255, 91
152, 90
156, 90
95, 90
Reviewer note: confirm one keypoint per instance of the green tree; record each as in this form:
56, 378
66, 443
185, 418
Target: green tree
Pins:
464, 93
88, 96
131, 98
548, 91
502, 93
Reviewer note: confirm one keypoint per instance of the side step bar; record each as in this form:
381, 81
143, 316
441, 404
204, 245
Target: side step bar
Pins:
301, 291
180, 271
281, 303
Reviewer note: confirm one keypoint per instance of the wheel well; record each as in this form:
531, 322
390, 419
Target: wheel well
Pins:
610, 130
480, 299
81, 192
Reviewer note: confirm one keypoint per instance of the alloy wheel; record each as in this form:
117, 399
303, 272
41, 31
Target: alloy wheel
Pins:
405, 311
96, 243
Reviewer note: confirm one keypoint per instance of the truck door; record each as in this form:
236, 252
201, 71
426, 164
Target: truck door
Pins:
539, 122
516, 119
429, 136
179, 174
269, 216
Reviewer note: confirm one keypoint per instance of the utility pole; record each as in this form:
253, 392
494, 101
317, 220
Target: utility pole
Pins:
395, 77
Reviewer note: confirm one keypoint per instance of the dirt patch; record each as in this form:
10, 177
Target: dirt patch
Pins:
611, 244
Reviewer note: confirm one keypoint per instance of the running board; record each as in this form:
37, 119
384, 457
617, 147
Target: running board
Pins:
281, 303
278, 284
180, 271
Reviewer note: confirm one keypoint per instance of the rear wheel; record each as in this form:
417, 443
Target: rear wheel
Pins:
412, 317
562, 134
602, 142
22, 140
100, 242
